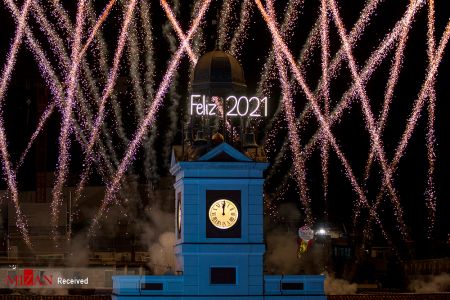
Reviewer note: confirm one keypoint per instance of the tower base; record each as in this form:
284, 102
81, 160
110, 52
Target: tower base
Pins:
170, 287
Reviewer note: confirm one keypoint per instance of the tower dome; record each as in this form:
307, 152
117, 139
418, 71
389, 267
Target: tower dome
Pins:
218, 73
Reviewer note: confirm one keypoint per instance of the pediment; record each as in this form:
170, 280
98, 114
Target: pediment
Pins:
224, 153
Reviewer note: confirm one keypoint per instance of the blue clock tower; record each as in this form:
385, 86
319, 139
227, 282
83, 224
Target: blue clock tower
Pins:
219, 228
218, 256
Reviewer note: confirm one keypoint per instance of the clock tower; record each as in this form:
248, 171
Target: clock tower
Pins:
220, 244
218, 187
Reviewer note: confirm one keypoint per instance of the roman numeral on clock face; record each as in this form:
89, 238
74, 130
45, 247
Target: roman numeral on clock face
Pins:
223, 214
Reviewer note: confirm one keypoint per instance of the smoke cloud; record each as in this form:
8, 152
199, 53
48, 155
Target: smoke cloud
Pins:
281, 254
282, 245
158, 233
78, 252
162, 255
432, 284
336, 286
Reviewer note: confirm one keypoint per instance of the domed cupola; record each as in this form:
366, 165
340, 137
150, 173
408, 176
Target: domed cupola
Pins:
218, 73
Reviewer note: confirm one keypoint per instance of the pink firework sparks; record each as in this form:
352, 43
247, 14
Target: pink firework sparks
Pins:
106, 93
56, 90
335, 64
64, 140
59, 48
428, 84
6, 164
226, 15
294, 136
241, 32
48, 74
419, 103
373, 62
178, 30
430, 196
325, 127
97, 26
370, 121
192, 55
149, 118
110, 85
392, 82
325, 91
47, 113
268, 74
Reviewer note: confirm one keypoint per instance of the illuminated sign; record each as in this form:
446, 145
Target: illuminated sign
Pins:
241, 106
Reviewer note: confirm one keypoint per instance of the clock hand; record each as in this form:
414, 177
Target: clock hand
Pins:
223, 208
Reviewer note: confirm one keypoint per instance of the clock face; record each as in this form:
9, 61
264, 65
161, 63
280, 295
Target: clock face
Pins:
179, 214
223, 213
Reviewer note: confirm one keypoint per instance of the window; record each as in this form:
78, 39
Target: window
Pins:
292, 285
152, 286
223, 275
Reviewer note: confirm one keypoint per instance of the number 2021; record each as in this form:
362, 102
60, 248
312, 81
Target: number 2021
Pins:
244, 106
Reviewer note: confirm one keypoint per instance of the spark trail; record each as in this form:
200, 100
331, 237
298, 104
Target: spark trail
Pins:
64, 21
193, 57
54, 84
178, 30
133, 56
392, 82
47, 113
97, 26
50, 77
65, 62
172, 92
325, 50
57, 92
148, 45
108, 89
418, 105
430, 196
325, 127
64, 139
294, 136
334, 66
373, 62
6, 163
224, 21
149, 118
149, 82
102, 53
287, 26
370, 121
59, 49
241, 32
290, 18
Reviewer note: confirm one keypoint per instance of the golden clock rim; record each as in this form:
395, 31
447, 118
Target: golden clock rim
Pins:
223, 227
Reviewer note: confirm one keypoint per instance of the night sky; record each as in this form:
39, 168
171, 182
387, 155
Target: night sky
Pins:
21, 110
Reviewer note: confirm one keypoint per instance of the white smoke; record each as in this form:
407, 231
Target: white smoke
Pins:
432, 284
158, 234
162, 255
78, 252
281, 254
336, 286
